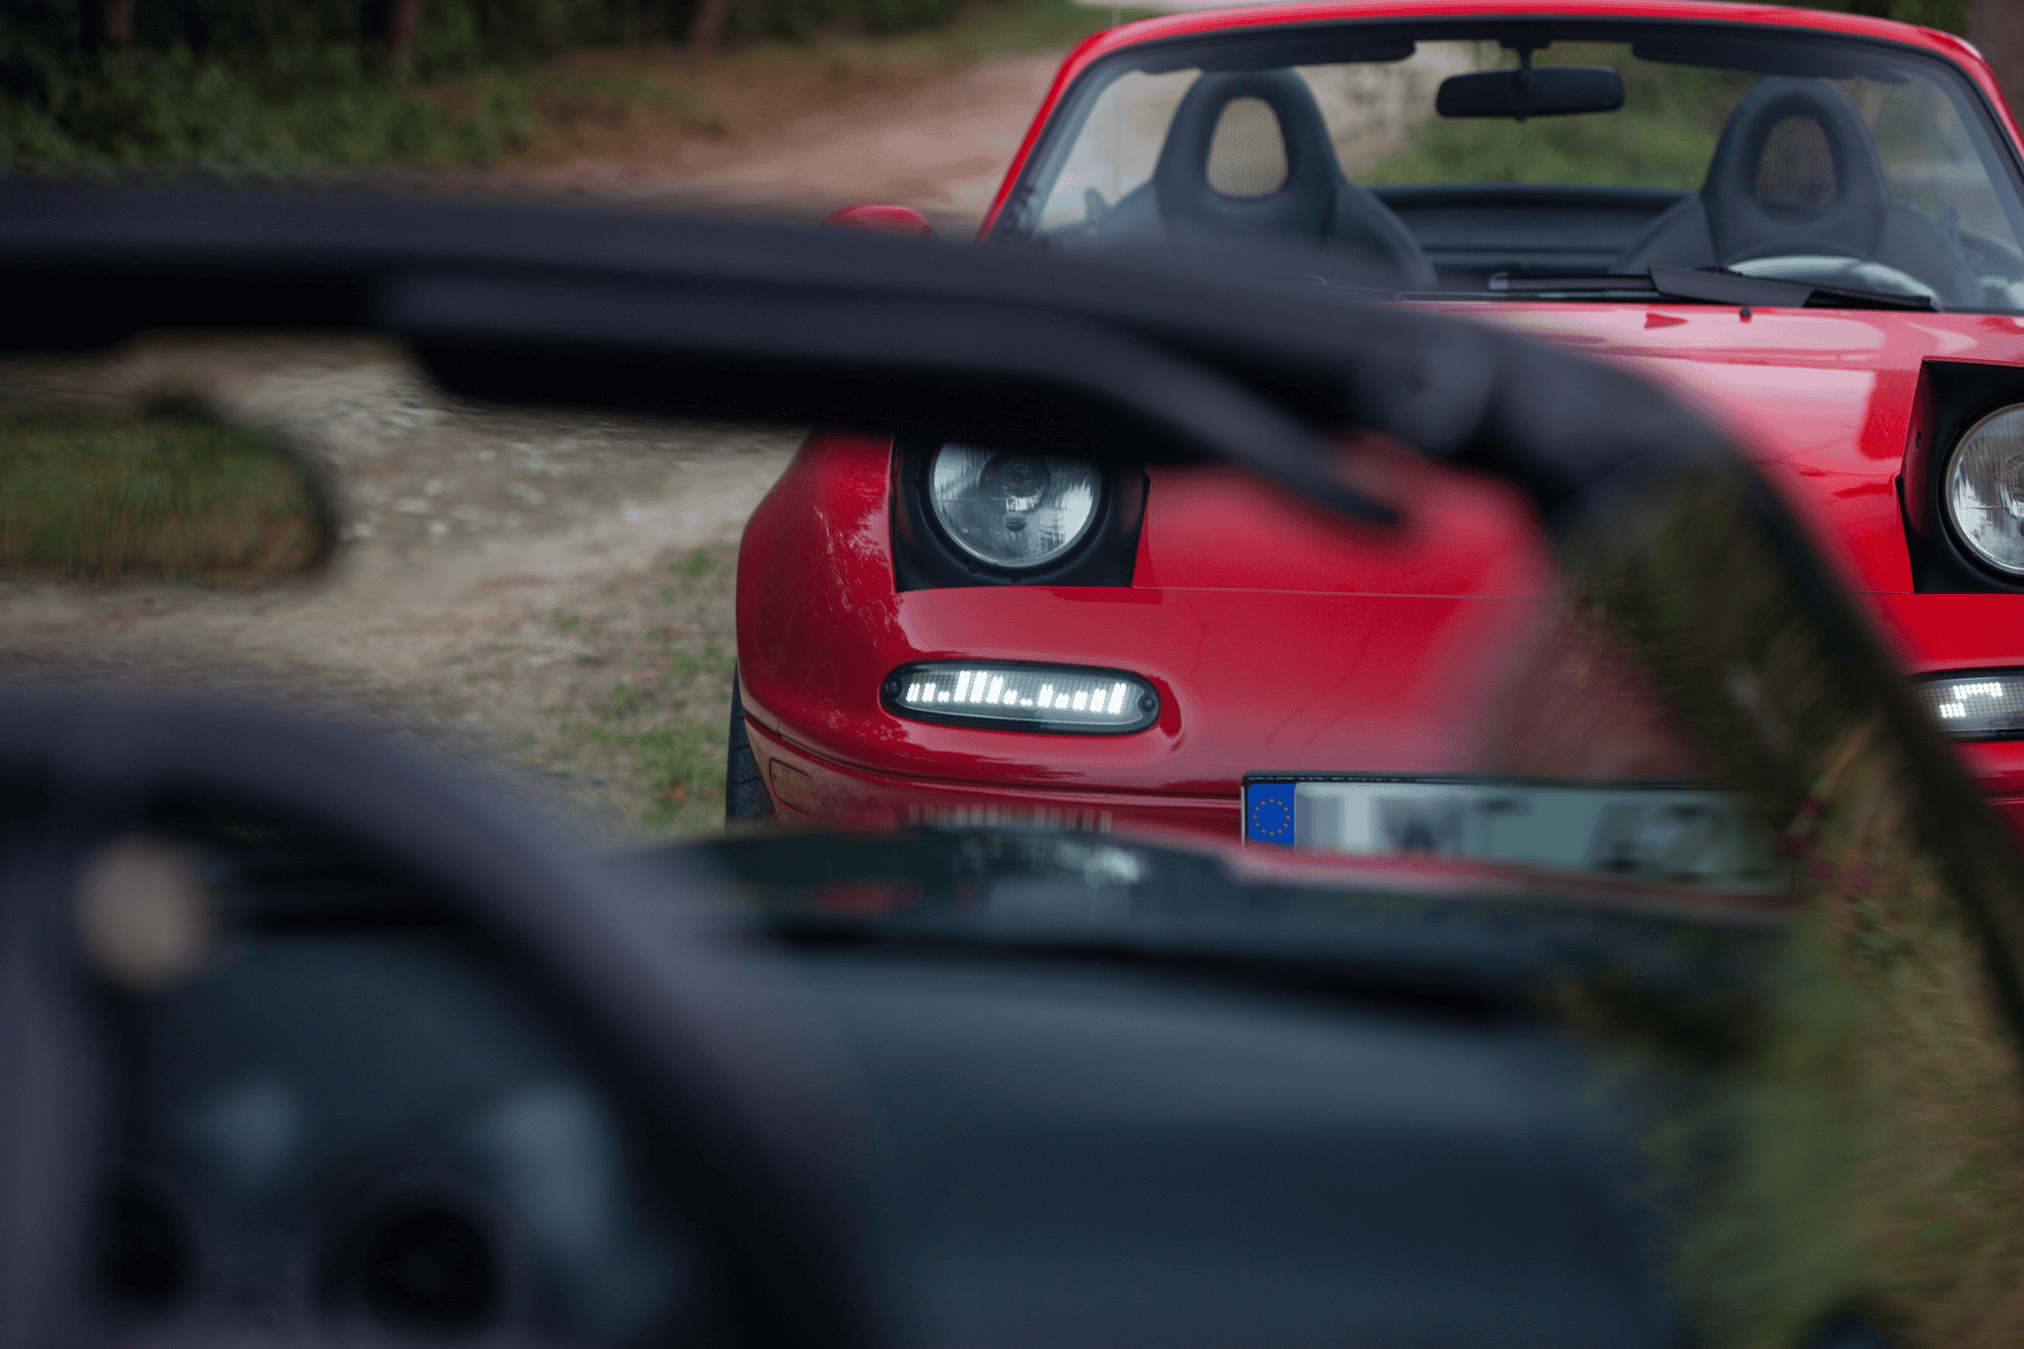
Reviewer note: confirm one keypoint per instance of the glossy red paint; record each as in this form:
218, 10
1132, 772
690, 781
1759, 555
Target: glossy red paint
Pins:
1222, 529
1824, 399
880, 219
852, 798
1282, 640
1377, 678
1961, 53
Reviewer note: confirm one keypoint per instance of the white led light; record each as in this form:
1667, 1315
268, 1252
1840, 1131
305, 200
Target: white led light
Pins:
1024, 697
1978, 706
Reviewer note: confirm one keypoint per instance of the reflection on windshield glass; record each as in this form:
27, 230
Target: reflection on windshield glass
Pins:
1866, 1133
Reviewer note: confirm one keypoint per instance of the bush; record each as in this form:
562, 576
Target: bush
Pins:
1949, 15
798, 18
313, 108
251, 84
245, 84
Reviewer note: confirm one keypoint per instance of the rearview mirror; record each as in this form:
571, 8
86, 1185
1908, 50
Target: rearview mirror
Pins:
1546, 91
163, 494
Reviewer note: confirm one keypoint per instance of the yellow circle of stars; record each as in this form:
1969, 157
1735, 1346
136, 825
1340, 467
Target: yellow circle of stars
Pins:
1274, 805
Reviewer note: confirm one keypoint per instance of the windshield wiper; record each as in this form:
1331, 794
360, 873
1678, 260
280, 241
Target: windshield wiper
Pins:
1711, 286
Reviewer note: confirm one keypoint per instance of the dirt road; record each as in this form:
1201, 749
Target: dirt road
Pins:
941, 148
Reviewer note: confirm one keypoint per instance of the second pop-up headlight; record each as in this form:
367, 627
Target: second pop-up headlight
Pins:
1012, 510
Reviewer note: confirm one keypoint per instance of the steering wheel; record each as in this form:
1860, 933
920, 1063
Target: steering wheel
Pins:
650, 1095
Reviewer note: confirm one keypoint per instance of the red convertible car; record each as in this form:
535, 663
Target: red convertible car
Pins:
1809, 224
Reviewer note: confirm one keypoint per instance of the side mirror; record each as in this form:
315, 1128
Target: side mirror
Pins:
883, 219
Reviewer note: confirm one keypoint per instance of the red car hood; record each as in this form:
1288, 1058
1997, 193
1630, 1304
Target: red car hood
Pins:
1822, 399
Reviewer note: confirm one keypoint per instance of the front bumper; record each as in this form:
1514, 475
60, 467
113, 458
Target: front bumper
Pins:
1365, 683
805, 786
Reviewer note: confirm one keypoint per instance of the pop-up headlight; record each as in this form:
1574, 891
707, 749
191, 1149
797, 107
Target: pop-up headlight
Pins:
1977, 706
1018, 697
1985, 489
1012, 510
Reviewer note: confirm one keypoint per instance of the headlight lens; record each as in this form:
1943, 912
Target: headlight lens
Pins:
1986, 706
1985, 489
1012, 510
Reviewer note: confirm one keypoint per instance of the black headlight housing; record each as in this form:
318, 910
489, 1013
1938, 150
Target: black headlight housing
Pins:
925, 557
1954, 397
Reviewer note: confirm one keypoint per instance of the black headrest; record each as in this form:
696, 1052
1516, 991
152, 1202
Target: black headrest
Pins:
1796, 171
1196, 213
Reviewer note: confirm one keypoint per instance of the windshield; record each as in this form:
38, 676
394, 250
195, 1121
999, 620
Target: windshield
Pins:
1438, 158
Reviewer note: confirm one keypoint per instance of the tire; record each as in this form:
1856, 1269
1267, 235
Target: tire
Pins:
745, 795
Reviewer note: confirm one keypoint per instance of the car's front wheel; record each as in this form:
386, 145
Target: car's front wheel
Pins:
745, 795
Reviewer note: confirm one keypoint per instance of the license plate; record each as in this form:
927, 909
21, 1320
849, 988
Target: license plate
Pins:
1649, 831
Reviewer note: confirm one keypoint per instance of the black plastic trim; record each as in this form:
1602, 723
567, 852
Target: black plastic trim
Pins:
888, 696
1959, 393
925, 558
1983, 671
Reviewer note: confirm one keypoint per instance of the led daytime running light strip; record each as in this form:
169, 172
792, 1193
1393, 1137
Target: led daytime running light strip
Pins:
1011, 696
1985, 706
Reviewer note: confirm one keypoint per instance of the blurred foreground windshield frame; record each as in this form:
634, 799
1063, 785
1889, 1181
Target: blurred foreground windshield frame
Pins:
1670, 540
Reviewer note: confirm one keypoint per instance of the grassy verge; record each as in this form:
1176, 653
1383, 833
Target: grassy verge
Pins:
654, 741
112, 498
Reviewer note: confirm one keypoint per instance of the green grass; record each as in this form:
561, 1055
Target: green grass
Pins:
681, 762
696, 566
112, 498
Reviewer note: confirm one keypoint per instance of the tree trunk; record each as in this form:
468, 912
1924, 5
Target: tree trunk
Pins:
403, 19
1997, 27
117, 22
708, 24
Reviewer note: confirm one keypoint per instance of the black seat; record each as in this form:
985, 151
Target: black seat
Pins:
1314, 204
1797, 172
